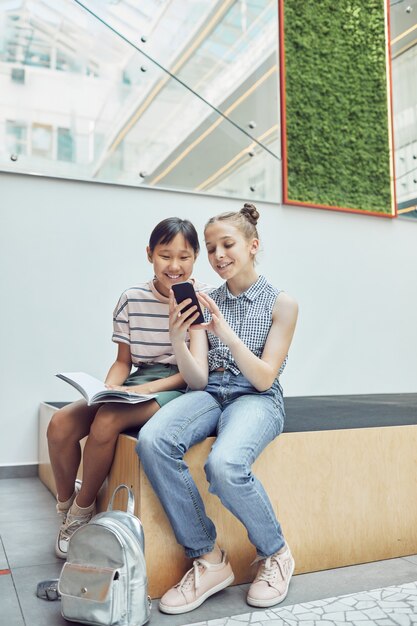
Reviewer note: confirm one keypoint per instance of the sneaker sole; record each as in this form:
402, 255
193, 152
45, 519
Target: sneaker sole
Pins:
60, 555
263, 604
185, 608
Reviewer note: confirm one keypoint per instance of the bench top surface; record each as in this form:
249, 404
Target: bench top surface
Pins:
357, 411
310, 413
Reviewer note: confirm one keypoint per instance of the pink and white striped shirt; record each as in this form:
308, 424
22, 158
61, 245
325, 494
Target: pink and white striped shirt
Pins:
141, 319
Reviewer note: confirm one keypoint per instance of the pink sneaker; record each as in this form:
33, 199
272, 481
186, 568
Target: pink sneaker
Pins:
272, 580
198, 584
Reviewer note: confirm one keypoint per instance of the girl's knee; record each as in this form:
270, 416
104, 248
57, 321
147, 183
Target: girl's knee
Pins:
107, 425
153, 441
59, 427
223, 472
214, 469
147, 439
143, 443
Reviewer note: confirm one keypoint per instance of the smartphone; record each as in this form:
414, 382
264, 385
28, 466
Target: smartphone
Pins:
182, 291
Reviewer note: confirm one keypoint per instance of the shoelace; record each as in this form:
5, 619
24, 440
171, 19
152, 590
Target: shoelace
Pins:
269, 571
69, 530
190, 577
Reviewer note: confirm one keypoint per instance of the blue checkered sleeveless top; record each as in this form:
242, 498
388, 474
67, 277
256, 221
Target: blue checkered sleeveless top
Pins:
249, 314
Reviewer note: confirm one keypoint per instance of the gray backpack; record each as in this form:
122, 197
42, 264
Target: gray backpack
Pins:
104, 579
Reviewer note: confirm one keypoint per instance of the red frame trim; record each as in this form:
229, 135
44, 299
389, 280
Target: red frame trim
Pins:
284, 152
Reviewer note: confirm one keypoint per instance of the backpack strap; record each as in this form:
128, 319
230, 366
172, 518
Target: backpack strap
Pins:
130, 499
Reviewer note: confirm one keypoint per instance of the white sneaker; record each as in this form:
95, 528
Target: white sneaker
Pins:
69, 525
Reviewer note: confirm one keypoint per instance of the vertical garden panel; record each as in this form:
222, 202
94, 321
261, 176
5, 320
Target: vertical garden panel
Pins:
336, 105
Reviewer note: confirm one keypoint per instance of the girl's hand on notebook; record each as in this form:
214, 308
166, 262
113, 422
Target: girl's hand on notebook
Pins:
143, 389
117, 387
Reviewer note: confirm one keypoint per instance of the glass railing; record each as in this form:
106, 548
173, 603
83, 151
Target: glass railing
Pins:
404, 71
225, 51
81, 100
178, 94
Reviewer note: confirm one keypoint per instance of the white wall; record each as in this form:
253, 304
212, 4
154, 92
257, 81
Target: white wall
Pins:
68, 249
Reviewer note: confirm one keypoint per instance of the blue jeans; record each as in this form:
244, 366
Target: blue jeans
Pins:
245, 421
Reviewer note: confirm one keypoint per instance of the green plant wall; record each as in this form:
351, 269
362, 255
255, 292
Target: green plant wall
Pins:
337, 132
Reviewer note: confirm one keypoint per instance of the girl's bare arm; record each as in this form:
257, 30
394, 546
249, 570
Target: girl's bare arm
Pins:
261, 372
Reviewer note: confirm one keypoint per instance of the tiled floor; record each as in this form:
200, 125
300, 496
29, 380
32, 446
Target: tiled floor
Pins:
389, 606
27, 532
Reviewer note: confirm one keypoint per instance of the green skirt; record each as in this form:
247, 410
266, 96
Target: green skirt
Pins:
147, 373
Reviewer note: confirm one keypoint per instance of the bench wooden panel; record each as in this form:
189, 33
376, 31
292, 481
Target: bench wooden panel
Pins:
343, 497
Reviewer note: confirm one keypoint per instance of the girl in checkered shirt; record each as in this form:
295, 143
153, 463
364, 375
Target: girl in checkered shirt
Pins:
232, 371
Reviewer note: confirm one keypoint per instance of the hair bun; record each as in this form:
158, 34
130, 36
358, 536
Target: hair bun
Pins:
250, 212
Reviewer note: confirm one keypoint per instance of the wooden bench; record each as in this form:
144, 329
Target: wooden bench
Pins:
344, 496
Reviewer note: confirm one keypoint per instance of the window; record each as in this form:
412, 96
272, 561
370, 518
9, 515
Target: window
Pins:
65, 145
42, 140
16, 137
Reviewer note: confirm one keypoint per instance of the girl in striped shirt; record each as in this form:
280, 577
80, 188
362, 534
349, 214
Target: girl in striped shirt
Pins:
141, 331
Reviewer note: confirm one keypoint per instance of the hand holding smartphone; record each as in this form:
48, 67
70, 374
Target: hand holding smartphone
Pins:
185, 290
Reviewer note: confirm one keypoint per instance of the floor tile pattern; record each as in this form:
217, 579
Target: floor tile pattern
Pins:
392, 606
